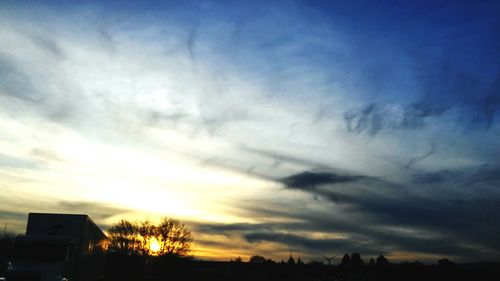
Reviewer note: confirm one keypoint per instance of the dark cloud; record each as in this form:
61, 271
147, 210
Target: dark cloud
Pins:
228, 228
16, 209
365, 118
393, 221
375, 117
10, 215
106, 38
417, 159
422, 109
47, 44
17, 84
346, 235
234, 164
191, 41
443, 86
488, 174
464, 217
438, 177
479, 100
218, 244
283, 233
30, 94
319, 246
98, 211
280, 158
469, 220
13, 222
309, 180
374, 243
490, 106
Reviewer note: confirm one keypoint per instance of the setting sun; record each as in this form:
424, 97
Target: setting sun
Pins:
154, 246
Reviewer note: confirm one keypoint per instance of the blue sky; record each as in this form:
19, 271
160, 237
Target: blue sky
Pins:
269, 127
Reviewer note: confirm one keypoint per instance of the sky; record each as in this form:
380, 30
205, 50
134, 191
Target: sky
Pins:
269, 127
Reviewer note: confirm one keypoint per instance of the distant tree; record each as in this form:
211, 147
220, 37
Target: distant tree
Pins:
299, 261
291, 260
174, 237
123, 236
445, 263
382, 261
346, 261
238, 259
356, 260
372, 262
257, 259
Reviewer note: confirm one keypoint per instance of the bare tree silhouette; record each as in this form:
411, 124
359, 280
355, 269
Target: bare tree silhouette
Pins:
172, 236
123, 236
382, 261
146, 232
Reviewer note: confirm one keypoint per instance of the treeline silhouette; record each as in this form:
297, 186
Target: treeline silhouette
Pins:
137, 265
260, 268
133, 257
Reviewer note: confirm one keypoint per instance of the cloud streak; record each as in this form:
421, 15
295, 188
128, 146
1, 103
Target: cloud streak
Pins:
309, 180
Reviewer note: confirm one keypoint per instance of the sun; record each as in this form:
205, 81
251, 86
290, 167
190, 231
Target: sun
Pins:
154, 246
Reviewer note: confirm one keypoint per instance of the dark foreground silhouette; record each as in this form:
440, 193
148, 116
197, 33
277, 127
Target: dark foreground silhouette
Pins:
129, 257
121, 267
137, 268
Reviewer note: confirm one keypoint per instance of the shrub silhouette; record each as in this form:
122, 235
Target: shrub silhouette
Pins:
346, 261
257, 259
356, 260
382, 261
